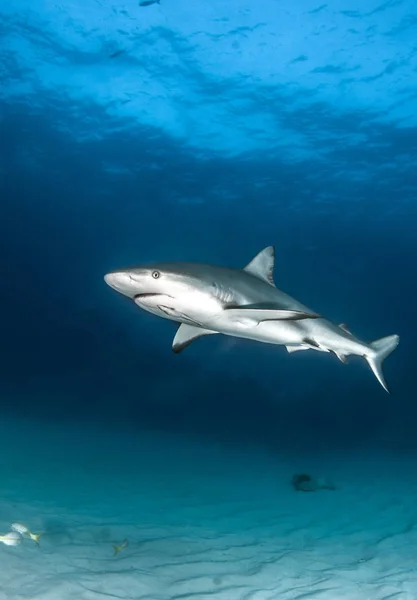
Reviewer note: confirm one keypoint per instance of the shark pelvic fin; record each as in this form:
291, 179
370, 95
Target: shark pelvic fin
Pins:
379, 350
311, 343
291, 349
249, 315
262, 266
186, 334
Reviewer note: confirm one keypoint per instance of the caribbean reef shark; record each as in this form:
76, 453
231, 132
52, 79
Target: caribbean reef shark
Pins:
243, 303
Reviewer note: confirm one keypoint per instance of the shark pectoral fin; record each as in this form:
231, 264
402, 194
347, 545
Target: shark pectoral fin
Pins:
258, 315
262, 266
186, 334
291, 349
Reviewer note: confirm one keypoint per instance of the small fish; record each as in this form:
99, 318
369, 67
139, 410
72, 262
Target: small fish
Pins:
25, 532
11, 539
117, 53
149, 2
120, 547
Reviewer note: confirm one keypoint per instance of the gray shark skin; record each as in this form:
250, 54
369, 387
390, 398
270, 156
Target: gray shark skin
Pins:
243, 303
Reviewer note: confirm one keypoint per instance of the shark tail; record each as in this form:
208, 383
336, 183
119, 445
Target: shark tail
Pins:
379, 350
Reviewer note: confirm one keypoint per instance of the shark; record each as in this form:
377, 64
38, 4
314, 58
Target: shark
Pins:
244, 303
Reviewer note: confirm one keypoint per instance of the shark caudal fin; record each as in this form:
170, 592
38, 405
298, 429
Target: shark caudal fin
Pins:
380, 349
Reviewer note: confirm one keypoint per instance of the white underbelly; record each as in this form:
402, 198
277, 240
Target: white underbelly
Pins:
271, 332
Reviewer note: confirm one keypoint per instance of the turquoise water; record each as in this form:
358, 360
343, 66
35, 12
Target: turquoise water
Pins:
201, 519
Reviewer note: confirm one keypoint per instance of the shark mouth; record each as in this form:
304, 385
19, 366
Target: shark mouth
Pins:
149, 296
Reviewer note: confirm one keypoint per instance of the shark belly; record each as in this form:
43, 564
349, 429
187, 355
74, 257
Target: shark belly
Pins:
314, 334
270, 332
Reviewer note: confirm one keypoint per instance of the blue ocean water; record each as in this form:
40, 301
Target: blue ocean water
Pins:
204, 131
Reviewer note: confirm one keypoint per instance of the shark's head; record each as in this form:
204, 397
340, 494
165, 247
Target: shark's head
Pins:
137, 282
172, 291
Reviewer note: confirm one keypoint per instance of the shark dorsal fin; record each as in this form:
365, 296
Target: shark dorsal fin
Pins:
262, 266
345, 328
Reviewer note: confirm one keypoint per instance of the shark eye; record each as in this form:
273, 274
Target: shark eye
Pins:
156, 274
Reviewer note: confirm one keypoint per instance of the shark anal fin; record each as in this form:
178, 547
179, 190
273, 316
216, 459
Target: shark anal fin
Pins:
259, 314
341, 357
262, 266
186, 334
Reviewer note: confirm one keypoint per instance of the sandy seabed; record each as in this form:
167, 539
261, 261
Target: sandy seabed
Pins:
202, 520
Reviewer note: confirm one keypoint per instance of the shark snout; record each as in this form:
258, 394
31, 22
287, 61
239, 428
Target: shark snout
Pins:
111, 279
119, 281
108, 278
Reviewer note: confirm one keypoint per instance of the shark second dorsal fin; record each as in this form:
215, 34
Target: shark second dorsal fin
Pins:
345, 328
186, 334
262, 266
